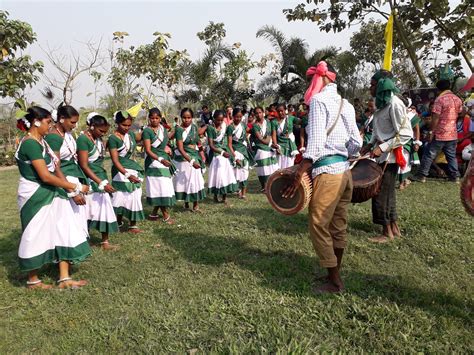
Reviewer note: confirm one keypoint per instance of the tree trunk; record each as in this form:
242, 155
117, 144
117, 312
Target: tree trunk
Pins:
409, 48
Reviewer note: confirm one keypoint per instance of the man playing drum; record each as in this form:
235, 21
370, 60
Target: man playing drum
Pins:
333, 137
392, 130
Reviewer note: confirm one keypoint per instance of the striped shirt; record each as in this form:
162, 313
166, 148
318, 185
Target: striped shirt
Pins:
345, 138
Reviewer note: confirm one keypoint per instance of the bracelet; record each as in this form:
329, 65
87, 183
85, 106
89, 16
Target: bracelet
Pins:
160, 159
419, 143
192, 161
127, 175
77, 190
222, 153
302, 149
103, 184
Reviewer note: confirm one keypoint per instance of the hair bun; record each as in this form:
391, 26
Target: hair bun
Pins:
54, 115
90, 116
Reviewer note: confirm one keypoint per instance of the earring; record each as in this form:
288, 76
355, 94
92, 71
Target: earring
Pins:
92, 128
61, 121
38, 124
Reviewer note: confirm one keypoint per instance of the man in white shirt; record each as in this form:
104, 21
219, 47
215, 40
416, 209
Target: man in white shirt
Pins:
333, 137
392, 130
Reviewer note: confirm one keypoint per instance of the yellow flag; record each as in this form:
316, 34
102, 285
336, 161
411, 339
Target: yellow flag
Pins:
135, 110
387, 58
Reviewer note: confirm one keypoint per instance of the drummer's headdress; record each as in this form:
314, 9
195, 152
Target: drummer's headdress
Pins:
385, 88
318, 72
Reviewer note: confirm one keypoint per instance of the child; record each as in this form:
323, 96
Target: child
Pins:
221, 175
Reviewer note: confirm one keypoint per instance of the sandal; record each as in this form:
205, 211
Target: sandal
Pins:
153, 217
134, 229
74, 285
38, 284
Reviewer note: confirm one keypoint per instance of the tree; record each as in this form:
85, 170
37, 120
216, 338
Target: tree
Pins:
293, 60
339, 15
17, 71
455, 27
220, 76
368, 43
70, 68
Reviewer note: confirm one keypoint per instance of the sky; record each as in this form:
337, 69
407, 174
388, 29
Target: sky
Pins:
62, 25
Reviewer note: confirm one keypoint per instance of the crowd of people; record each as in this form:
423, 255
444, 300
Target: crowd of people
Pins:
64, 189
65, 176
443, 135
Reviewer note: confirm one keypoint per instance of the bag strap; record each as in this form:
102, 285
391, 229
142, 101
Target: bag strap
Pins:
329, 131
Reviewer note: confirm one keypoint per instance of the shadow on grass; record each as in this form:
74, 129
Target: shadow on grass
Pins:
9, 260
291, 272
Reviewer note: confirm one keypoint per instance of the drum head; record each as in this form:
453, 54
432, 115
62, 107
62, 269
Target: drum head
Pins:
365, 173
286, 206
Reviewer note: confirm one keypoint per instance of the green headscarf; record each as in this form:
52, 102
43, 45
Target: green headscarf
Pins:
446, 73
385, 88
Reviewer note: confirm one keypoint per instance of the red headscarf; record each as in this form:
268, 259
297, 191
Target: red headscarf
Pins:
318, 72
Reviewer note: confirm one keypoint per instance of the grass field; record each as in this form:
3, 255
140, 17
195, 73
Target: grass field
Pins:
239, 280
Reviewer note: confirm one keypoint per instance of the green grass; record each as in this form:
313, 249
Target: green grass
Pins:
239, 280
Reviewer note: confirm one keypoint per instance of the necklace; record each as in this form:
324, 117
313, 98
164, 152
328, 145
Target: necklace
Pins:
66, 139
101, 149
122, 138
60, 133
45, 146
35, 138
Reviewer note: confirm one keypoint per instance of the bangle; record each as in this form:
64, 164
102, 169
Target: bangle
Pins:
103, 184
160, 159
127, 174
192, 161
419, 143
222, 153
77, 190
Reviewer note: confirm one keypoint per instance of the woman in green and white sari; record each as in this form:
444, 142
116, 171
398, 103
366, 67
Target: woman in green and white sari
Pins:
237, 143
127, 174
221, 179
188, 181
282, 132
265, 157
51, 232
63, 143
158, 167
91, 152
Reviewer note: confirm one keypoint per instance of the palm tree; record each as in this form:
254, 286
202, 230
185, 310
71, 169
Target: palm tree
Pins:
295, 60
201, 76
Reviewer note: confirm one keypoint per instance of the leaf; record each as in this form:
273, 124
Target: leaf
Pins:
20, 114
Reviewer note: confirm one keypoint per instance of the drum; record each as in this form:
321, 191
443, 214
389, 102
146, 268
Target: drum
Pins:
467, 189
278, 181
367, 179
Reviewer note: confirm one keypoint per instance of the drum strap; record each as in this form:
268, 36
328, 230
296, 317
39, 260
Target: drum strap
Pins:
329, 131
